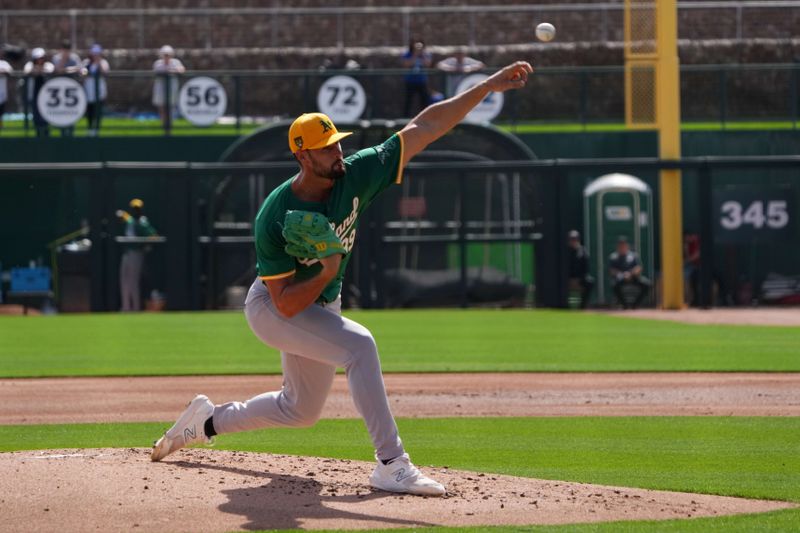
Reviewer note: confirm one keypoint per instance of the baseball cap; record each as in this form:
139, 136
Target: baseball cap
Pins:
311, 131
37, 53
96, 49
574, 234
136, 202
166, 50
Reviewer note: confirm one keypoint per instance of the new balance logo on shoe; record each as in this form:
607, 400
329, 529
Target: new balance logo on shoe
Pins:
189, 434
400, 475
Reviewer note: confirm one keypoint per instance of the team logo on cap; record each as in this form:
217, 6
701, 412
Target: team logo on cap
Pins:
325, 126
298, 141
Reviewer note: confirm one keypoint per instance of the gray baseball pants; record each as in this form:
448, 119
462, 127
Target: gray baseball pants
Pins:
313, 343
130, 276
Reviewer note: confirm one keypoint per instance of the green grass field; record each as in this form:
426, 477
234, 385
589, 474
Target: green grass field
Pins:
116, 127
755, 457
476, 340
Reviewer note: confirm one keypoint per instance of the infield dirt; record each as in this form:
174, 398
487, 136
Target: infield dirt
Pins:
159, 399
215, 491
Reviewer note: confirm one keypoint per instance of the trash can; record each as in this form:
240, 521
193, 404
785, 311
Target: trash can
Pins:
615, 205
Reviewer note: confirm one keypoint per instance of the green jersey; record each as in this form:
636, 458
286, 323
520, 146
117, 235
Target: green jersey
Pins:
368, 172
138, 227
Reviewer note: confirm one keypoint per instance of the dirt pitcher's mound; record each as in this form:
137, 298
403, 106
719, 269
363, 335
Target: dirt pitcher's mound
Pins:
208, 490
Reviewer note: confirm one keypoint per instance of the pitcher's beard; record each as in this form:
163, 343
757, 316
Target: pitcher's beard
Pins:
335, 172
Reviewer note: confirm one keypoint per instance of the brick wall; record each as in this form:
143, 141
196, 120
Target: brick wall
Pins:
486, 28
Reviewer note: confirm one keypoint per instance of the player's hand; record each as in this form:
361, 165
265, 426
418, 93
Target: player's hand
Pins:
514, 76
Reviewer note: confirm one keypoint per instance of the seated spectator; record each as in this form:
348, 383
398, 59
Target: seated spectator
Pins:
5, 70
166, 67
579, 267
95, 86
457, 66
37, 70
626, 269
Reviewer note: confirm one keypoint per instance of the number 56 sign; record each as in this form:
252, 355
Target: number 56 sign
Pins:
202, 100
755, 214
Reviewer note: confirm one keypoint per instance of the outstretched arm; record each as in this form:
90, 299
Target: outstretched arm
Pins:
438, 119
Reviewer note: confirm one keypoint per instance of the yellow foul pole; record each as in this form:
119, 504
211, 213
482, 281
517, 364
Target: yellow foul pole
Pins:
668, 113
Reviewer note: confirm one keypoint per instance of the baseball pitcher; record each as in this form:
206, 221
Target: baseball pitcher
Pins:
304, 233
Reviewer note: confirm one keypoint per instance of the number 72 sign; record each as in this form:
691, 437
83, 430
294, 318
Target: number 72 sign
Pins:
755, 214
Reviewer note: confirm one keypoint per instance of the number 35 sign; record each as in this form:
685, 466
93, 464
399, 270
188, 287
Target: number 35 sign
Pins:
61, 101
755, 214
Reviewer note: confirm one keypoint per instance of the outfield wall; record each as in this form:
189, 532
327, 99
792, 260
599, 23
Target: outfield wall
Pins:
37, 210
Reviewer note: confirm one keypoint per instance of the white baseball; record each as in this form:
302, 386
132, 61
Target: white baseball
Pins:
545, 31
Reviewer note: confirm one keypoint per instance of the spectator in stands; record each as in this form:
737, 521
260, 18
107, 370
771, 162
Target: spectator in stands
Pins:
626, 269
130, 268
579, 275
165, 87
456, 67
36, 71
94, 84
67, 63
5, 70
416, 60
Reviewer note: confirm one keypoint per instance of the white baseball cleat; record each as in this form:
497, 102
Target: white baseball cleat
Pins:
401, 475
188, 430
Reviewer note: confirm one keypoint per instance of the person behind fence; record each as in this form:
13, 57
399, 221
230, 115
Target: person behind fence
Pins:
130, 269
37, 71
416, 60
165, 86
457, 67
94, 84
67, 63
579, 275
625, 270
5, 70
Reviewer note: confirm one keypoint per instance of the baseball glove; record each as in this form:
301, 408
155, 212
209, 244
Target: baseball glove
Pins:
309, 235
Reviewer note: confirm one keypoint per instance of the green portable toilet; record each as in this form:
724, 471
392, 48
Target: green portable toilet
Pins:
615, 205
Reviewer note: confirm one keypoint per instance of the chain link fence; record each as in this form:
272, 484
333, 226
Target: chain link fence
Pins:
588, 96
372, 26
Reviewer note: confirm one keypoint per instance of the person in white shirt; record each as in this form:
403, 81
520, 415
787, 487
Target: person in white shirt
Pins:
166, 68
5, 70
457, 66
94, 84
37, 71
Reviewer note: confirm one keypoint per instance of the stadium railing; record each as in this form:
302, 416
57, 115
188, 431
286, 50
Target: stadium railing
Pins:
564, 97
